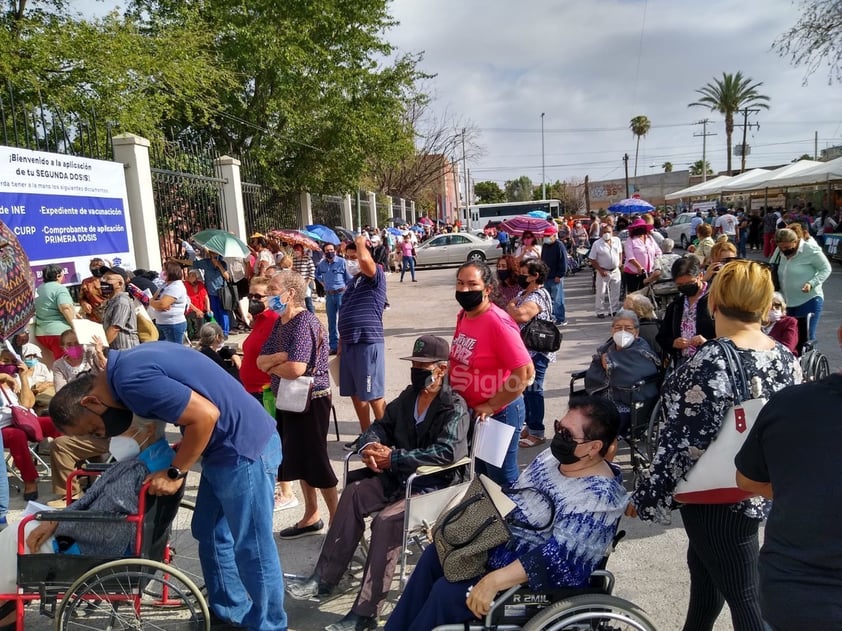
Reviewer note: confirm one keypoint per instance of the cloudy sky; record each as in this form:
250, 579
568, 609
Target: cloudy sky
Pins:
591, 65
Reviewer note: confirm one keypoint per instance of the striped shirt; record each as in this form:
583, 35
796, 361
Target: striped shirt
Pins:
304, 265
361, 314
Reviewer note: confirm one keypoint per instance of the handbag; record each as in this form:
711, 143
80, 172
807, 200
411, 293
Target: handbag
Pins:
25, 420
294, 395
541, 336
712, 480
776, 280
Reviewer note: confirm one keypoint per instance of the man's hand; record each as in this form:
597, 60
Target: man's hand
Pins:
603, 273
161, 484
40, 535
377, 457
557, 280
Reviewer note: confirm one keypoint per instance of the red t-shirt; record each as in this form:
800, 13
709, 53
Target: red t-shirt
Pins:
484, 352
261, 327
198, 295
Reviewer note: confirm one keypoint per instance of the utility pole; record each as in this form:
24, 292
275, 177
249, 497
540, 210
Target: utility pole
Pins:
626, 163
465, 174
359, 216
745, 127
704, 135
543, 172
815, 145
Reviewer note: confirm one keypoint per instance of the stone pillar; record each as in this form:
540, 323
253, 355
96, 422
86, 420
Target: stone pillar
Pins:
402, 204
372, 210
389, 206
412, 212
133, 152
232, 194
305, 210
347, 217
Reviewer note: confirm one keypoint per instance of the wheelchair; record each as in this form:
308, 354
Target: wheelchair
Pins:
142, 590
661, 294
590, 608
814, 364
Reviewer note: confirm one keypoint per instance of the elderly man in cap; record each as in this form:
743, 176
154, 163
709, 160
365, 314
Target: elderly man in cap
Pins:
426, 425
118, 317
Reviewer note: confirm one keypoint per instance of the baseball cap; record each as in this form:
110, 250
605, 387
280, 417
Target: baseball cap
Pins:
429, 348
116, 270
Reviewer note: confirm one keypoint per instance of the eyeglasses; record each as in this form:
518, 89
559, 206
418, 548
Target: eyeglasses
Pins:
256, 296
566, 435
777, 305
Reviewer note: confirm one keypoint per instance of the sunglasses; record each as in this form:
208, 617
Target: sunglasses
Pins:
256, 296
566, 435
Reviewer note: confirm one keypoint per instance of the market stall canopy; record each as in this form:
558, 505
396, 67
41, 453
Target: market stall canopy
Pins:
691, 191
819, 173
749, 177
774, 179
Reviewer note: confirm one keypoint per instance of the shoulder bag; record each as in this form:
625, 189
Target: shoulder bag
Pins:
25, 420
712, 480
294, 395
775, 266
541, 336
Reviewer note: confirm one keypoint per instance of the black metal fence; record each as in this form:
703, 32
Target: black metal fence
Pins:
266, 209
327, 210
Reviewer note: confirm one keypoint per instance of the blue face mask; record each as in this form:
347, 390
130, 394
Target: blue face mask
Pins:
276, 305
31, 363
158, 456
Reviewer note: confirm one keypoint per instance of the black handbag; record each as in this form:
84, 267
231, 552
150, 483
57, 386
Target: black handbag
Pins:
541, 336
776, 281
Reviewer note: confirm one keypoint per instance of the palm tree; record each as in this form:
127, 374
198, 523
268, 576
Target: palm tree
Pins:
667, 167
699, 167
729, 95
639, 126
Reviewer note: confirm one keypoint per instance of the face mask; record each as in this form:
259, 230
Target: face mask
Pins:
523, 281
788, 253
470, 300
502, 275
330, 255
96, 273
158, 456
353, 267
123, 448
563, 448
689, 290
276, 305
256, 307
622, 338
74, 352
107, 289
420, 378
31, 363
548, 241
775, 315
606, 236
116, 420
8, 369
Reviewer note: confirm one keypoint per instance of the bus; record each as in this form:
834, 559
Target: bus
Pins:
478, 216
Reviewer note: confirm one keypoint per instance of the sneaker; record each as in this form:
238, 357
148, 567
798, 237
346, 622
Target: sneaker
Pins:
307, 588
353, 622
296, 532
353, 445
561, 324
284, 504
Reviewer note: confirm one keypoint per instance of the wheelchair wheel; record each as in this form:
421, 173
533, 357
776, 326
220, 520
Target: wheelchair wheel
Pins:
653, 431
814, 366
591, 612
183, 549
121, 595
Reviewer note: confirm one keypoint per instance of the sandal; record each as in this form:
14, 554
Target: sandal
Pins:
531, 441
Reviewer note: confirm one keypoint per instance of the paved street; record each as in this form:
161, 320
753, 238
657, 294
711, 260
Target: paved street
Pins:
648, 564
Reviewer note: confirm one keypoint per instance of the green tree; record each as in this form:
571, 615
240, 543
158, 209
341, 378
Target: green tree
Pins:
803, 156
815, 38
519, 190
489, 193
667, 167
639, 126
699, 167
727, 96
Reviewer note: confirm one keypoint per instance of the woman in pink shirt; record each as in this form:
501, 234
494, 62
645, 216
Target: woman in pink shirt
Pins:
489, 365
407, 251
640, 252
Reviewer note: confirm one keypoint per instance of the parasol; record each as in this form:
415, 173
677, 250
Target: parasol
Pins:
222, 242
631, 206
295, 237
17, 290
395, 232
516, 226
323, 233
425, 221
344, 233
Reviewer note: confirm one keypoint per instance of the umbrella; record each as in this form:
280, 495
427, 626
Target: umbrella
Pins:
395, 232
425, 221
323, 233
17, 290
295, 237
221, 242
630, 206
397, 220
344, 233
540, 214
417, 229
516, 226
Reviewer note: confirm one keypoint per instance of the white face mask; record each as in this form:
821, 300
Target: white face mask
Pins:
123, 448
353, 267
607, 236
775, 315
622, 339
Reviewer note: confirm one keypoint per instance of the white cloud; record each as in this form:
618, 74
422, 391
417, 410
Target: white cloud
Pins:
501, 63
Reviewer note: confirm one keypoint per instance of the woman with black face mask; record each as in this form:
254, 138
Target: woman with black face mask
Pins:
687, 323
489, 365
506, 287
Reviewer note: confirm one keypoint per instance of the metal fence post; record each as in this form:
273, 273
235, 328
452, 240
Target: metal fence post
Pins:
372, 210
133, 152
347, 219
232, 194
305, 210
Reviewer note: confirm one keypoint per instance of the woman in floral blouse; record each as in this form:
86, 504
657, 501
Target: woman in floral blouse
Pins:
723, 546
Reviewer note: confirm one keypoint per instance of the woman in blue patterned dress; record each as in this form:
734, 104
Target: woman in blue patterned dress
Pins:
296, 347
588, 499
723, 546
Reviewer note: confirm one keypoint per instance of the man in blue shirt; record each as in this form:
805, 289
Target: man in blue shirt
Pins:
240, 450
215, 271
333, 276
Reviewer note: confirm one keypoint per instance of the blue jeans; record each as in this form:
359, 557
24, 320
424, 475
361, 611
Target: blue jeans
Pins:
408, 262
812, 307
556, 290
514, 415
4, 484
220, 314
233, 525
741, 244
172, 332
332, 303
308, 303
533, 397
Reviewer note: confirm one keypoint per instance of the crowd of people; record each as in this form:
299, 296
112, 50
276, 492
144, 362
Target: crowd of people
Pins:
240, 413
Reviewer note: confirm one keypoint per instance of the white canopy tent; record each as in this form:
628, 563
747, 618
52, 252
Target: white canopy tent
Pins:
819, 173
749, 177
691, 191
774, 179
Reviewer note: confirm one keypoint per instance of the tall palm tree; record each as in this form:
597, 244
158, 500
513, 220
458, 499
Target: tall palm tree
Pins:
729, 95
639, 126
667, 167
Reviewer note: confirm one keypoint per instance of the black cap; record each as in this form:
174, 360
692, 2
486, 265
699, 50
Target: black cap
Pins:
115, 270
428, 349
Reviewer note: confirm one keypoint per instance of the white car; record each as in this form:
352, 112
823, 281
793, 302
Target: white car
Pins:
680, 230
455, 249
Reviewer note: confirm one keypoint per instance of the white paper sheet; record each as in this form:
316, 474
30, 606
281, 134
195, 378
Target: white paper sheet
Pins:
491, 441
87, 329
502, 502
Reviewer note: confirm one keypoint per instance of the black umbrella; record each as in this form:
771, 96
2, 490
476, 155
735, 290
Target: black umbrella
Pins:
344, 233
397, 220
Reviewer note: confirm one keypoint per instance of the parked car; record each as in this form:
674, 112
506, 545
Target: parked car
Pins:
457, 248
680, 230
